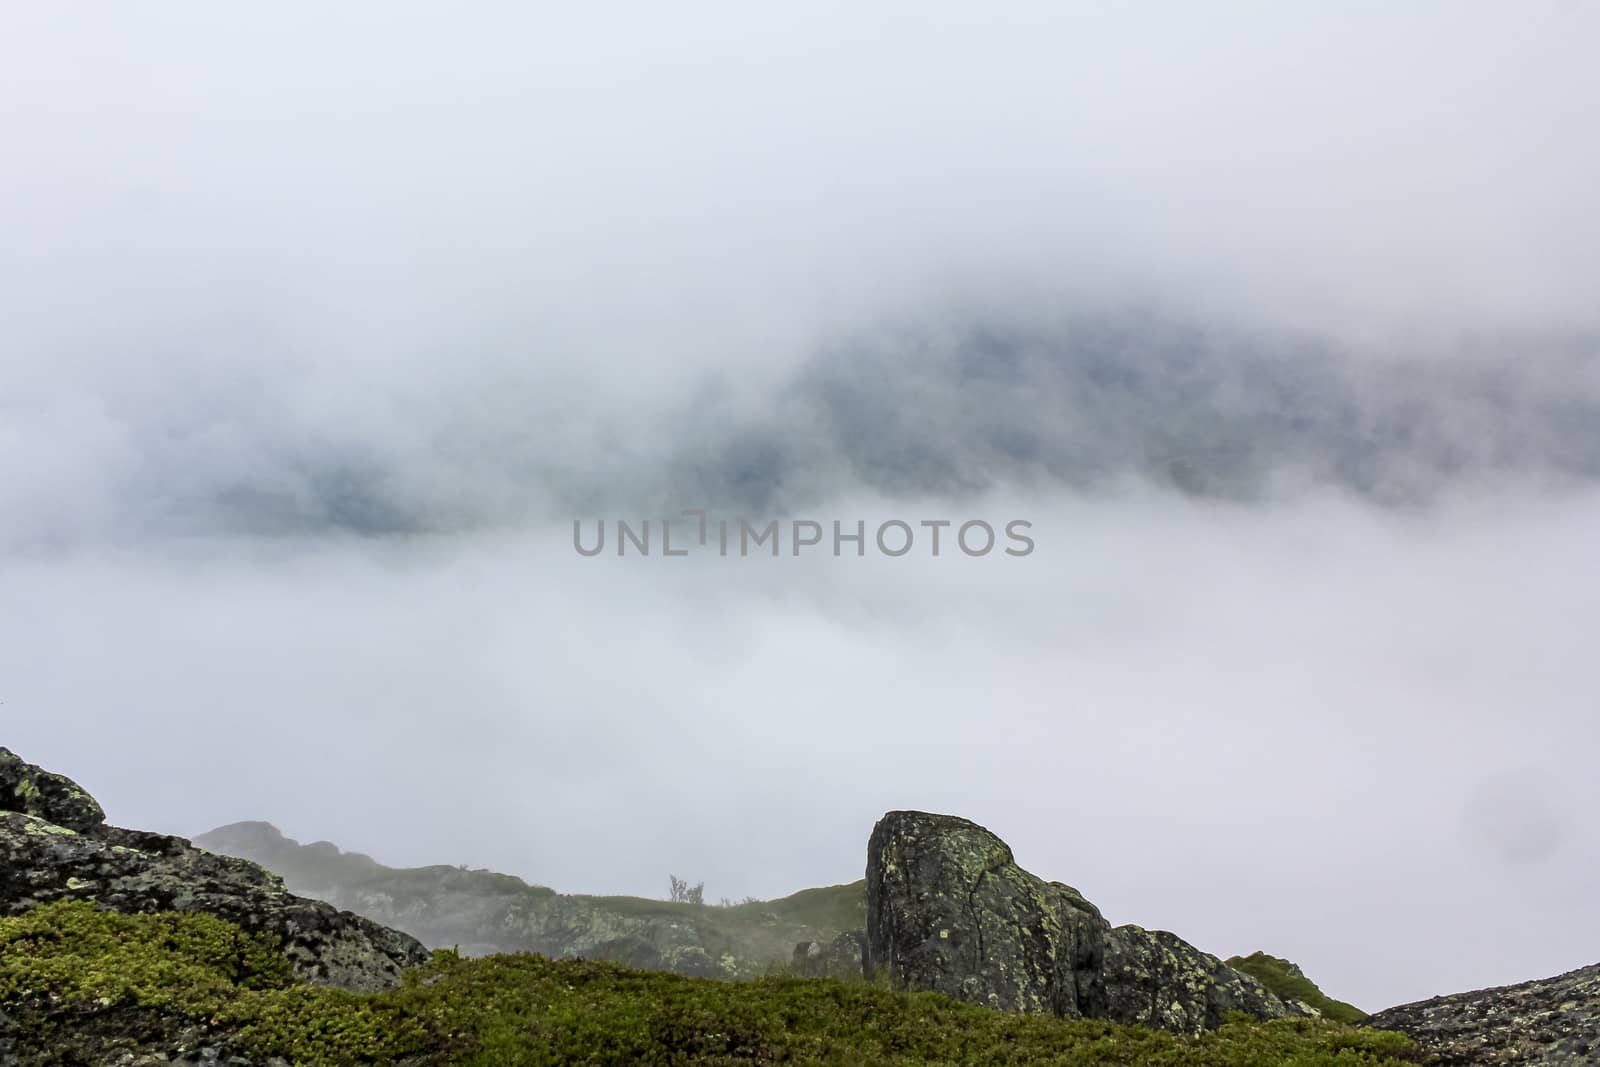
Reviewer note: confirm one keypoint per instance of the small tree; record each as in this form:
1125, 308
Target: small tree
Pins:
684, 893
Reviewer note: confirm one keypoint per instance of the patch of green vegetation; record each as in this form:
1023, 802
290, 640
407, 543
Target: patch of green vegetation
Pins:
640, 907
1287, 981
77, 954
758, 934
835, 907
830, 909
81, 983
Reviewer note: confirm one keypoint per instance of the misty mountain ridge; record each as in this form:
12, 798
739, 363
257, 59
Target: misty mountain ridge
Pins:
950, 406
481, 912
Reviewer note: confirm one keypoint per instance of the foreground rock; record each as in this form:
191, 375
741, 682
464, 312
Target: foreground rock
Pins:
54, 845
949, 910
1550, 1023
483, 912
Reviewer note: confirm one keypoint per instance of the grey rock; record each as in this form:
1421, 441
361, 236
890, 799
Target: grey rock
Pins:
949, 910
840, 958
1156, 979
44, 860
55, 798
1554, 1022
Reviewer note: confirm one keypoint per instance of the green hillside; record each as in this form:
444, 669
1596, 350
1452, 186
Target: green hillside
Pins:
483, 912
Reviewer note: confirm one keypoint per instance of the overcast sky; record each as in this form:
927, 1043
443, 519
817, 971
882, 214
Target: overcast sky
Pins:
320, 326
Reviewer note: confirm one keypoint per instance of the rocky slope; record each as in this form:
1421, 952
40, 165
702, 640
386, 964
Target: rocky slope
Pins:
949, 910
482, 912
55, 845
1549, 1023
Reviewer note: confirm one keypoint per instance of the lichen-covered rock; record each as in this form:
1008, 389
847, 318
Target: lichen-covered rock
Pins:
1554, 1022
949, 910
43, 860
52, 797
839, 958
1157, 979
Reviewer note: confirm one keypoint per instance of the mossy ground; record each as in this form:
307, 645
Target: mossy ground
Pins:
80, 984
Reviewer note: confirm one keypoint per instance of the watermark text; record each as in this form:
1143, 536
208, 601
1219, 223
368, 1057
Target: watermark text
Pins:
696, 531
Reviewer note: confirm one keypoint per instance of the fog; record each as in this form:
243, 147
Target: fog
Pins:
321, 328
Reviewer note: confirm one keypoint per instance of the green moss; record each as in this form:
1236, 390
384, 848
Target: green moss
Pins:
77, 955
1286, 980
77, 981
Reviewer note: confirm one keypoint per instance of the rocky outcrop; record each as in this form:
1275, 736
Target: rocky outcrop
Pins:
949, 910
1159, 980
54, 845
482, 912
31, 790
1550, 1023
839, 958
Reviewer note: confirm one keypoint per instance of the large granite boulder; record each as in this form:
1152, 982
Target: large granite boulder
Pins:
949, 910
1554, 1022
54, 845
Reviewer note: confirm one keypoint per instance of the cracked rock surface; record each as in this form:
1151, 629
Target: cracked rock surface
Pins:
1550, 1023
949, 910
